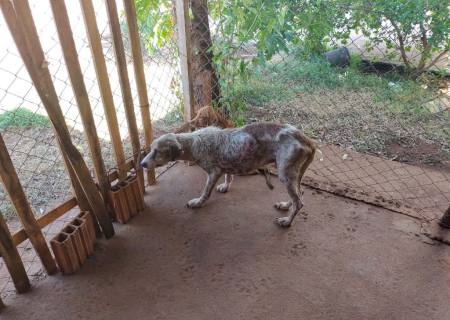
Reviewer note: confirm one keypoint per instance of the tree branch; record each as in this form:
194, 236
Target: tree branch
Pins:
401, 46
426, 48
435, 60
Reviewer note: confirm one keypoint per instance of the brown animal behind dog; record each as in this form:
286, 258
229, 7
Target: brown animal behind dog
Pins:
206, 117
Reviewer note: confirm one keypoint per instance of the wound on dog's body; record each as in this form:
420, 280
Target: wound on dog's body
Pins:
238, 151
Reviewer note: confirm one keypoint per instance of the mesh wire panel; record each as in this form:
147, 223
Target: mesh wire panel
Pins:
383, 129
27, 132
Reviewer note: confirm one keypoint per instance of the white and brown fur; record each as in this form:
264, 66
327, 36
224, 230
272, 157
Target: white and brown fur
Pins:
238, 151
207, 117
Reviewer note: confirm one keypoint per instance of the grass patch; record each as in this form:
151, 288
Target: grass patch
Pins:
297, 75
22, 118
346, 106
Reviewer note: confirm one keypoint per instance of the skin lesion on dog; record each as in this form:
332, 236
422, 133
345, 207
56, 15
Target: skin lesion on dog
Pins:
206, 117
239, 151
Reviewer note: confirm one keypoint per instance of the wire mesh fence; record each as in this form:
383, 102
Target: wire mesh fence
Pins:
379, 105
27, 131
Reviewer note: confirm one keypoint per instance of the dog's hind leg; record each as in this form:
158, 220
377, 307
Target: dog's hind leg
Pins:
224, 187
293, 164
291, 186
213, 177
289, 173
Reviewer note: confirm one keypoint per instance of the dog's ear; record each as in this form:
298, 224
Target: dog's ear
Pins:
174, 151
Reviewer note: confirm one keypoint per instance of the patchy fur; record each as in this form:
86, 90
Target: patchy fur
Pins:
239, 151
206, 117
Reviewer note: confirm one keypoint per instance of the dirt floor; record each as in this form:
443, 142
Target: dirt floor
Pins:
341, 259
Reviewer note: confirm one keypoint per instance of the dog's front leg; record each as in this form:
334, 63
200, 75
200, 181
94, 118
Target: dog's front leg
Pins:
213, 177
224, 187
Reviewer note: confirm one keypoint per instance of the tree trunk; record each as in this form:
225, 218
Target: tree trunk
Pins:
206, 84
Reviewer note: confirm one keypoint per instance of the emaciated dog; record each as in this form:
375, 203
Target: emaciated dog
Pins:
238, 151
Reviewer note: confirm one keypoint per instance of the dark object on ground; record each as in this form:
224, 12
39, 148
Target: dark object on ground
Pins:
445, 220
379, 67
339, 57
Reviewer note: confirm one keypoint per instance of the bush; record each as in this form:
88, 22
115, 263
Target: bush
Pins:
21, 117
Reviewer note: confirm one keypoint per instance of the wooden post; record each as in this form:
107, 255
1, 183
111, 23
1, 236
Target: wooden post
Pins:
121, 63
43, 221
12, 259
8, 176
445, 220
103, 82
33, 56
82, 200
185, 51
76, 78
133, 34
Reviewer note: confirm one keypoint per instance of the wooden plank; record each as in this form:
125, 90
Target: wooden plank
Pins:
12, 259
31, 30
121, 63
103, 82
10, 180
33, 56
76, 78
43, 221
185, 50
76, 187
138, 64
44, 85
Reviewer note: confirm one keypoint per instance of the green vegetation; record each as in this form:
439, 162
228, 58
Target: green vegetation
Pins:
276, 25
267, 58
22, 118
345, 106
279, 26
283, 81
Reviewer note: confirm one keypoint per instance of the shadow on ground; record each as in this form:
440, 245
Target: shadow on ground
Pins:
340, 260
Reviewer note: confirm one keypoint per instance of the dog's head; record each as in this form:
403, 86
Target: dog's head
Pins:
164, 149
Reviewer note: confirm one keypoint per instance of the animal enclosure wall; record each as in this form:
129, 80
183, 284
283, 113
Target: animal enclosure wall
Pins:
27, 130
379, 106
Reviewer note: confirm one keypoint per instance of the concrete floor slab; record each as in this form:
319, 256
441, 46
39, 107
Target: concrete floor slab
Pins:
341, 259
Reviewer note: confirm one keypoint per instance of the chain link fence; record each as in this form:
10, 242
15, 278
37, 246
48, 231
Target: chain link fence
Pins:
27, 131
379, 106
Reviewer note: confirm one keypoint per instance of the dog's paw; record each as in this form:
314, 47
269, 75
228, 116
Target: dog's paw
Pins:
284, 222
194, 203
222, 188
284, 206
